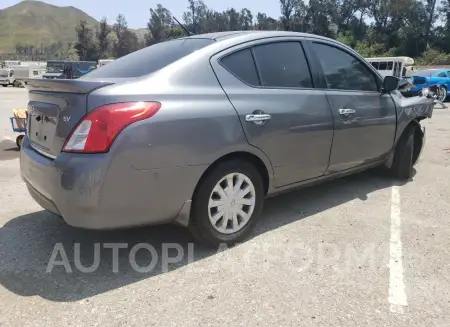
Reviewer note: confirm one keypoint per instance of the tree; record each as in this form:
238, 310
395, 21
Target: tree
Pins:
414, 28
120, 28
195, 16
287, 9
131, 42
103, 38
158, 25
246, 19
85, 47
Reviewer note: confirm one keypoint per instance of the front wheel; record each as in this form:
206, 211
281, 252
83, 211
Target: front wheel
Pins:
402, 166
441, 93
227, 203
5, 85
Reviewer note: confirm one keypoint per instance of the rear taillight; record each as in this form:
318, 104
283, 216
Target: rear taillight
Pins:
96, 131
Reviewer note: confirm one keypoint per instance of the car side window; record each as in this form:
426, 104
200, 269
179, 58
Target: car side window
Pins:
443, 74
242, 65
343, 71
282, 64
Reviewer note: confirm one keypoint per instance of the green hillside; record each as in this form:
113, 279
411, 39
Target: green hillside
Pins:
36, 22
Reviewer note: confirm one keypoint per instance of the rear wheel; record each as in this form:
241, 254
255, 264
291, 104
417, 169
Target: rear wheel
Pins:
402, 167
227, 203
5, 85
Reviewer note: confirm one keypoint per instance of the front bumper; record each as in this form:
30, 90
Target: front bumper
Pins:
89, 191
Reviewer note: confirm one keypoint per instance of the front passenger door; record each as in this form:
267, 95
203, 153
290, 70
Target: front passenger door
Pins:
365, 119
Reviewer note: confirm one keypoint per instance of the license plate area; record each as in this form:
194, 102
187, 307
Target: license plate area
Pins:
42, 123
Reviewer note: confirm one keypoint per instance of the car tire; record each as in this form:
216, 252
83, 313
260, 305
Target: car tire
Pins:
5, 85
402, 166
239, 219
442, 93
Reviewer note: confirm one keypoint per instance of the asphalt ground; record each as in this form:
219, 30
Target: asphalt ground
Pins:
359, 251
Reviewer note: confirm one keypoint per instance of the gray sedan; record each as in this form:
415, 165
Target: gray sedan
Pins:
198, 131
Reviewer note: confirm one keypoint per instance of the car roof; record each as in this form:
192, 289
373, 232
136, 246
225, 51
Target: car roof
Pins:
219, 36
435, 70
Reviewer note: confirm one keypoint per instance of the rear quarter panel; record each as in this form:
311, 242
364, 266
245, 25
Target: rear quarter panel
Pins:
156, 163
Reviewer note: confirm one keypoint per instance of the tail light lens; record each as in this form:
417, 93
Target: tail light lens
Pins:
96, 131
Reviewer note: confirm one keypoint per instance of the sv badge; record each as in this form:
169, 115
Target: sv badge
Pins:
66, 119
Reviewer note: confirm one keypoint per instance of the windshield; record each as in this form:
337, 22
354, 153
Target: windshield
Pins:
150, 59
55, 67
425, 73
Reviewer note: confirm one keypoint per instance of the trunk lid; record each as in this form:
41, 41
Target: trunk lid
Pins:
54, 108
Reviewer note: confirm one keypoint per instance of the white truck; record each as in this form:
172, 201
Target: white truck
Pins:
14, 75
7, 77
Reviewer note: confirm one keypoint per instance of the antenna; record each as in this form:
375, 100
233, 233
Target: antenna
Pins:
182, 26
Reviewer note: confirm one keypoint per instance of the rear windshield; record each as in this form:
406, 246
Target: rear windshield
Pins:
425, 73
150, 59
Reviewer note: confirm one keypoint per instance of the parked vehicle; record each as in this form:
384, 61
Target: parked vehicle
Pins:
7, 77
12, 63
103, 62
25, 72
68, 69
428, 77
392, 66
198, 131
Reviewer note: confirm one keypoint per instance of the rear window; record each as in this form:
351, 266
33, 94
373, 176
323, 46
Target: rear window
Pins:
150, 59
241, 64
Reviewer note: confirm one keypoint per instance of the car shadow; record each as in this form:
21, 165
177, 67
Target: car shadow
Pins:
8, 150
28, 242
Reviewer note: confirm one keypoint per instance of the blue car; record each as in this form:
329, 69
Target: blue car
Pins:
427, 77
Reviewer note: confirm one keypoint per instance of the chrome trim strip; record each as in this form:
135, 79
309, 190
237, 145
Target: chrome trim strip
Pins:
46, 154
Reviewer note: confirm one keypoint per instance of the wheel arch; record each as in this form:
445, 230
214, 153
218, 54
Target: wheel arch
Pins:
418, 139
263, 167
257, 158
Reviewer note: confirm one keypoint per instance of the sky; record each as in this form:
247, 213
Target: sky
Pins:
137, 11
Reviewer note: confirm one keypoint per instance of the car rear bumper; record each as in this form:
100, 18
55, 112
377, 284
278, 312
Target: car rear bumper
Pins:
89, 191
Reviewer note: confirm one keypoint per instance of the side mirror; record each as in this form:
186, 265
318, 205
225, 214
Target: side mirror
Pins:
390, 83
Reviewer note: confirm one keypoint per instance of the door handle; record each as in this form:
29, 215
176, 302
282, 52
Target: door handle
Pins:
257, 118
346, 112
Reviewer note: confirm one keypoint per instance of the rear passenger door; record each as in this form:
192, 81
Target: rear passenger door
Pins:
270, 86
365, 118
